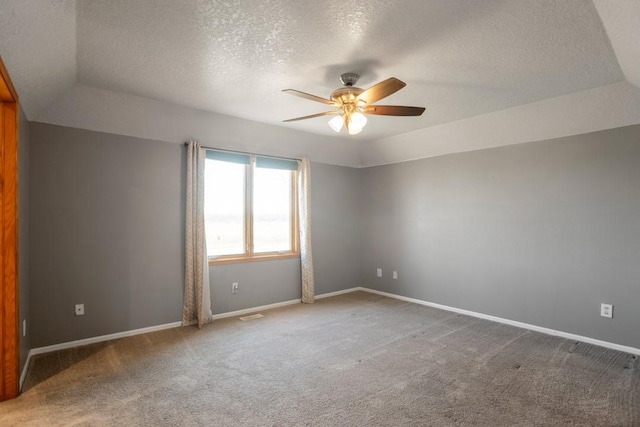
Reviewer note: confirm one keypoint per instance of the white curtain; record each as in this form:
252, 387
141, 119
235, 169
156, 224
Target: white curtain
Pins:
197, 293
304, 207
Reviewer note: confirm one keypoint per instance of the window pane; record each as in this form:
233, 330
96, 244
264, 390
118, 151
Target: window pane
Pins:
272, 210
224, 207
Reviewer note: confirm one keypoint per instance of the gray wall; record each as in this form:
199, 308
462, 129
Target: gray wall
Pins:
106, 231
335, 192
540, 233
107, 216
335, 227
259, 283
23, 236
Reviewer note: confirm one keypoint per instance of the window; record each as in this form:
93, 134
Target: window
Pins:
250, 207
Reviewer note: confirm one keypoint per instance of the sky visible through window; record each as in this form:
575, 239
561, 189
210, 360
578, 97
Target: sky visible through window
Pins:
272, 210
225, 206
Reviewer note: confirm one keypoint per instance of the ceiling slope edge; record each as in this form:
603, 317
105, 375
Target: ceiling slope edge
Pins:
592, 110
107, 111
38, 46
620, 19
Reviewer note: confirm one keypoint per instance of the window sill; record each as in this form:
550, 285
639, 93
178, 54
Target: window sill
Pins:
255, 258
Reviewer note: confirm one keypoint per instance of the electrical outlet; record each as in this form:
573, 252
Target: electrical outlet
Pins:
234, 288
379, 272
606, 310
24, 328
395, 275
79, 309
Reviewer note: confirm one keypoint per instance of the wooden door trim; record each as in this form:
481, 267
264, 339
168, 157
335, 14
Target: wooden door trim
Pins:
7, 91
9, 337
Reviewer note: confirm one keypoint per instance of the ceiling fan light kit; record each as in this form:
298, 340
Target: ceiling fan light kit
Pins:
336, 123
353, 103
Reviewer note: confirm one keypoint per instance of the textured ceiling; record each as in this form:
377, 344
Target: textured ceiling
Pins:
38, 45
621, 19
459, 58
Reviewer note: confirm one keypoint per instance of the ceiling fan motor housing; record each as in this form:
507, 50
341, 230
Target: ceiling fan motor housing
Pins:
349, 79
346, 95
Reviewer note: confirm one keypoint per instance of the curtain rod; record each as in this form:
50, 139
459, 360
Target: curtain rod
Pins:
245, 152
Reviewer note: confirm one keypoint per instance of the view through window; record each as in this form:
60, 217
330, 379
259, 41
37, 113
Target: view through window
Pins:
250, 207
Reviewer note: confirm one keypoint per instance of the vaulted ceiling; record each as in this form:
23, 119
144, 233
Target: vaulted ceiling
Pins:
471, 64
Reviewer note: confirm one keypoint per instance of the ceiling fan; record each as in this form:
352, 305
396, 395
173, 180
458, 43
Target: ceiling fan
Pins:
352, 103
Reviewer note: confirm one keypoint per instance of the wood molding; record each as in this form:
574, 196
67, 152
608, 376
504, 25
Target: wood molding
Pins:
7, 91
9, 337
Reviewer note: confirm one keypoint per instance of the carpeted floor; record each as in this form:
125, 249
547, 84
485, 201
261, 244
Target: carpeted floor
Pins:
354, 360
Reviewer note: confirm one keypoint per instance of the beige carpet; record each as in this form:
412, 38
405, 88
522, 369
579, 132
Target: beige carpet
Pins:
353, 360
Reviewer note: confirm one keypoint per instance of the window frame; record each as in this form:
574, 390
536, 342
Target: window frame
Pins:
249, 255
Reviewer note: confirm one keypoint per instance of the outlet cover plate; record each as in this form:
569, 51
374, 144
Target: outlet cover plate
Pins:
606, 310
79, 309
379, 272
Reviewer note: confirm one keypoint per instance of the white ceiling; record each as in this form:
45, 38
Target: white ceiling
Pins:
38, 46
459, 58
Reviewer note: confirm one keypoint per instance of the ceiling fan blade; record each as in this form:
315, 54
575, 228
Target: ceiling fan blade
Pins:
393, 110
310, 97
381, 90
326, 113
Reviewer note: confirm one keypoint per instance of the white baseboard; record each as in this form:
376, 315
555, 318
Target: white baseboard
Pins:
101, 338
547, 331
23, 374
254, 309
279, 304
71, 344
336, 293
92, 340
